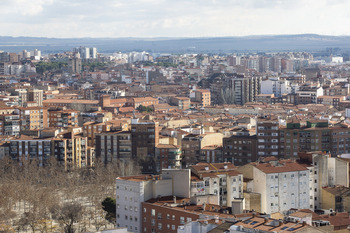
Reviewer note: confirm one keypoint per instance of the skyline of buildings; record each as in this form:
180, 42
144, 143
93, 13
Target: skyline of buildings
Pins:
217, 138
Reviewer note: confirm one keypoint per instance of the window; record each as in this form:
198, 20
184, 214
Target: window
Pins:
182, 220
144, 210
153, 222
144, 219
172, 227
153, 212
189, 219
159, 215
159, 226
167, 216
173, 217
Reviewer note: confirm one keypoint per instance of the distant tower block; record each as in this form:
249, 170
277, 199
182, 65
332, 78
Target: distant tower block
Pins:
347, 112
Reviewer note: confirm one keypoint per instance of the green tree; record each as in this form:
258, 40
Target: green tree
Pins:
109, 205
142, 108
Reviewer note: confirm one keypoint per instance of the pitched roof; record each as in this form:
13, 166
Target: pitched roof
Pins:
286, 167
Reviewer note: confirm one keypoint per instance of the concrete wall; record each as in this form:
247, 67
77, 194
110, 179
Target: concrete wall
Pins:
212, 139
180, 181
338, 172
252, 201
328, 200
161, 188
260, 187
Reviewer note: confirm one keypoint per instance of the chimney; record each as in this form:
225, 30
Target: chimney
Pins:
280, 223
206, 168
105, 101
174, 199
203, 206
225, 166
216, 219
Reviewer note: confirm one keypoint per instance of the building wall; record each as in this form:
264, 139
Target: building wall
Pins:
338, 172
282, 191
260, 186
328, 200
159, 219
129, 196
180, 181
252, 201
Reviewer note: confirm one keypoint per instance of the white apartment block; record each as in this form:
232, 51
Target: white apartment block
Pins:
282, 187
324, 171
276, 86
133, 190
220, 179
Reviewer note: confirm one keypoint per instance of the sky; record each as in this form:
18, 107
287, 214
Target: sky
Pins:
172, 18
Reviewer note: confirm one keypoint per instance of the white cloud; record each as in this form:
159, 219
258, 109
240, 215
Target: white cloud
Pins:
182, 18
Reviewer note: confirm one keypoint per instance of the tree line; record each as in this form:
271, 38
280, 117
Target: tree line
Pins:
51, 199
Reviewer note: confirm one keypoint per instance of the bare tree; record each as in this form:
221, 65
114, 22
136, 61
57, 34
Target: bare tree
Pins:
67, 215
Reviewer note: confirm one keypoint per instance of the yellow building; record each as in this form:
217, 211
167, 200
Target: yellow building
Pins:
203, 96
71, 150
336, 198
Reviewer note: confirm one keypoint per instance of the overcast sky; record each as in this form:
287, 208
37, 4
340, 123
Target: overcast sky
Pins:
172, 18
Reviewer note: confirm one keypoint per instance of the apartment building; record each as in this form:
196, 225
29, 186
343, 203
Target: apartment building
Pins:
276, 86
22, 96
63, 118
26, 148
166, 215
282, 186
211, 154
36, 96
71, 150
220, 179
76, 104
203, 97
240, 149
181, 102
91, 129
145, 138
192, 144
98, 117
324, 171
33, 117
336, 198
330, 100
113, 146
315, 135
168, 156
268, 136
308, 94
337, 91
10, 124
245, 89
133, 190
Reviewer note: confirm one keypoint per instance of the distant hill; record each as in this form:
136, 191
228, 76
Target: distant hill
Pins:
303, 42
